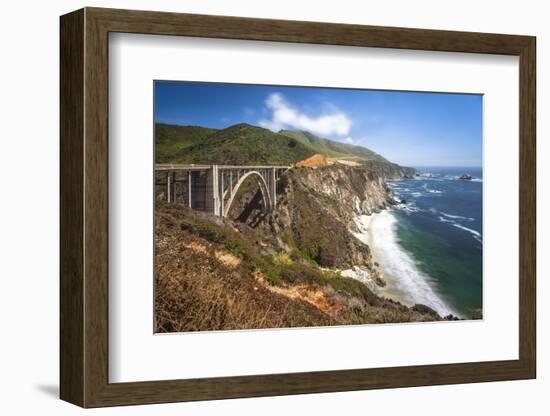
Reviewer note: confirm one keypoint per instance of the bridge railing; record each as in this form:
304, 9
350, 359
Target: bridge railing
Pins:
212, 188
178, 166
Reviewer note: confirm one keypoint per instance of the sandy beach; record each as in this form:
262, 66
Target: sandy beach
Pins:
404, 281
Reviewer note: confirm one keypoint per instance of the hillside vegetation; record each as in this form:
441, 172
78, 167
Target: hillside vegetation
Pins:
212, 275
245, 144
330, 148
169, 139
241, 144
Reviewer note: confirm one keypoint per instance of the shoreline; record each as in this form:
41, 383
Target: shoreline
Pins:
405, 282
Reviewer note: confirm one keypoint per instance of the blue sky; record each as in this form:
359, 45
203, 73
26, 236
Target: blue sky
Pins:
409, 128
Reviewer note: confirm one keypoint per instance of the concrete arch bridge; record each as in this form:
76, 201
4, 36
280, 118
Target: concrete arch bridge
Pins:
212, 188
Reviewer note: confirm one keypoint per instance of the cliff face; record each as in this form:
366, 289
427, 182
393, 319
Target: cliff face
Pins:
316, 208
345, 191
391, 170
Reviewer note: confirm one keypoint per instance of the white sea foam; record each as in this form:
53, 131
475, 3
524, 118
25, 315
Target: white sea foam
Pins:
408, 208
405, 282
475, 233
456, 217
430, 190
443, 219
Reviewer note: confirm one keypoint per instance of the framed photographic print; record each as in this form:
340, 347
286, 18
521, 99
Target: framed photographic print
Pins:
261, 207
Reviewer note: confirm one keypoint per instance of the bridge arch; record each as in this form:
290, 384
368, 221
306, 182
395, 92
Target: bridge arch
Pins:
262, 184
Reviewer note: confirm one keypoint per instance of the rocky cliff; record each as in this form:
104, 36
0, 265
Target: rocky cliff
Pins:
391, 171
317, 207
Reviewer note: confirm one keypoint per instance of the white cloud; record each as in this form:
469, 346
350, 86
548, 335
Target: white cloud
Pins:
348, 140
284, 115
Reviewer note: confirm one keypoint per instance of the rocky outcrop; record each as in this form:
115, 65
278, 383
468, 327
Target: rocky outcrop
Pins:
391, 171
348, 191
316, 208
314, 161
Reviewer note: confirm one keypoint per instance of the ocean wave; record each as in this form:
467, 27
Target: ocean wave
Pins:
456, 217
399, 267
475, 234
408, 208
430, 190
429, 175
443, 219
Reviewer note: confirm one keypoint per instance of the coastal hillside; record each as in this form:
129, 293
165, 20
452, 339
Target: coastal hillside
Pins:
241, 144
215, 274
283, 269
330, 148
171, 139
244, 144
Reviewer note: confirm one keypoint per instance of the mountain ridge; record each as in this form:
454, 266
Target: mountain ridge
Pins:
245, 143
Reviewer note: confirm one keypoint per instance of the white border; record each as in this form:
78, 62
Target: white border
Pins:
135, 354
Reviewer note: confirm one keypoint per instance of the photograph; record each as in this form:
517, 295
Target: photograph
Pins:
302, 206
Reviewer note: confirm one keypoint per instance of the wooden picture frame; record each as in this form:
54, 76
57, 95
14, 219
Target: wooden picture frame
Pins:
84, 207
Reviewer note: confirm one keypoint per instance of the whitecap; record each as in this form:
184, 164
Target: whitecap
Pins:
442, 219
405, 281
457, 217
408, 208
432, 191
476, 234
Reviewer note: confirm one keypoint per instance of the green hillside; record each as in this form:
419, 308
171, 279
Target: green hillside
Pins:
331, 148
169, 139
240, 144
245, 144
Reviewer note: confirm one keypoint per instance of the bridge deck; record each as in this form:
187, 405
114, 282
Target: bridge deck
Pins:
175, 166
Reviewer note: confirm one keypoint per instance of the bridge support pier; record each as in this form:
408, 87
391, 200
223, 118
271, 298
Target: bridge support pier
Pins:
213, 191
273, 189
212, 188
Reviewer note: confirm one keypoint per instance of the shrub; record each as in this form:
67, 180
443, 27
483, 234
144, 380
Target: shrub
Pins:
282, 259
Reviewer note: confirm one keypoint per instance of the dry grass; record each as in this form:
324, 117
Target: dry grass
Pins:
209, 277
198, 289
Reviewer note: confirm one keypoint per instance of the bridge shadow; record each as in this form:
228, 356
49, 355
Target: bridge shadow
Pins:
253, 214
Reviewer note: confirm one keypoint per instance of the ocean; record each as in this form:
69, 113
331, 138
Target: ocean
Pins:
430, 247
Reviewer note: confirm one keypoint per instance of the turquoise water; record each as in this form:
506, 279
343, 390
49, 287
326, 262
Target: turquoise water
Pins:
441, 227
